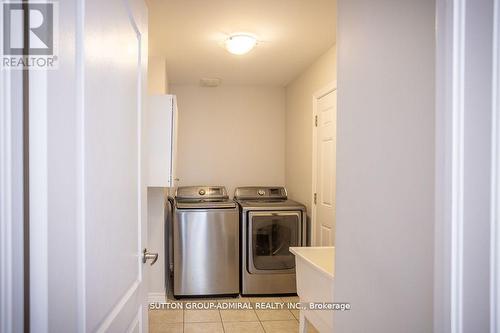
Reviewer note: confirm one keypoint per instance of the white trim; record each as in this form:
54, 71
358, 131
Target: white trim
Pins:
80, 166
315, 97
136, 324
119, 307
157, 297
172, 142
457, 172
6, 283
38, 202
495, 179
140, 104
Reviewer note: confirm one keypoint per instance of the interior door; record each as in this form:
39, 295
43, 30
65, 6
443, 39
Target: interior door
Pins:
114, 45
324, 198
87, 184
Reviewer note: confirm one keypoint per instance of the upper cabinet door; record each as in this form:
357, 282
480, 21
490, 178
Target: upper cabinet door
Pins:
173, 173
161, 140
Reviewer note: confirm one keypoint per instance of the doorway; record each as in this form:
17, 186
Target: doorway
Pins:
324, 170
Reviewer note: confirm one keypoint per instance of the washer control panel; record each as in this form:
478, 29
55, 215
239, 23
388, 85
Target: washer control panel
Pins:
197, 192
260, 193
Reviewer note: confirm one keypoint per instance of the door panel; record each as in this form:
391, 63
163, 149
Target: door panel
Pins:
326, 165
112, 173
270, 235
324, 216
88, 205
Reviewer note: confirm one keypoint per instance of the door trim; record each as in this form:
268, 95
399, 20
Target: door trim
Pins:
332, 86
38, 200
451, 46
6, 246
13, 281
495, 179
80, 166
457, 163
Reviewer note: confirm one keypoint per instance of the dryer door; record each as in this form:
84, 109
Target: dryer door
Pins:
270, 235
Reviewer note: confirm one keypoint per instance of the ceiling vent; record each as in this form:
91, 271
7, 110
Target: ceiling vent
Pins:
210, 82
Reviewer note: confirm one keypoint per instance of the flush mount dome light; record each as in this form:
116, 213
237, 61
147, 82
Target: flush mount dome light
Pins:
240, 43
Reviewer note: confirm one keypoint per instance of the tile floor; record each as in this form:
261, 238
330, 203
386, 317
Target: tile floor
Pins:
227, 321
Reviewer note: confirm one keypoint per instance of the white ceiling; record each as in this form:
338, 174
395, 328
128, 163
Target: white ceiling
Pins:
190, 35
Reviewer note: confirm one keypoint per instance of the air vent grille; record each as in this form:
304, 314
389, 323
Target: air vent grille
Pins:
210, 82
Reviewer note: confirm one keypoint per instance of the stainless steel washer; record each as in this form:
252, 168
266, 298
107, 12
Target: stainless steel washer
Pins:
270, 224
206, 242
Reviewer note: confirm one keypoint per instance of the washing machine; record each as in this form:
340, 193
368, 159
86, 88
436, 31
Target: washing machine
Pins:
205, 242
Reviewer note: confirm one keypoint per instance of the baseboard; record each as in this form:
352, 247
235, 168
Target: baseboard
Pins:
157, 298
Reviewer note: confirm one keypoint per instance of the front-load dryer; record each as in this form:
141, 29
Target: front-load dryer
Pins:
269, 225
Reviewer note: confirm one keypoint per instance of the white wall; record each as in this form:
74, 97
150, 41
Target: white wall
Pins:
157, 84
156, 224
231, 135
385, 165
299, 125
157, 75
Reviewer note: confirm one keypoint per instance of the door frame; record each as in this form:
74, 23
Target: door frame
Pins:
13, 260
495, 181
332, 86
450, 250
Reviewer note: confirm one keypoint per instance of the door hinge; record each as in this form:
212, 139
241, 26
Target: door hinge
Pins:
316, 121
315, 198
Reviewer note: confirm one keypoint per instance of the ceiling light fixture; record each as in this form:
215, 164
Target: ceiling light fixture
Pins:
240, 43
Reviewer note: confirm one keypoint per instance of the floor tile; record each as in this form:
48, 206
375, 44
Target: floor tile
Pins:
203, 328
165, 316
311, 329
287, 326
265, 315
160, 327
240, 327
291, 303
201, 316
238, 315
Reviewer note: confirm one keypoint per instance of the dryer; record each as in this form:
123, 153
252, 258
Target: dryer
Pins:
269, 225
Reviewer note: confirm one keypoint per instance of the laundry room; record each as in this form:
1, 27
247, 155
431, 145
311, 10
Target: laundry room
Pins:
252, 94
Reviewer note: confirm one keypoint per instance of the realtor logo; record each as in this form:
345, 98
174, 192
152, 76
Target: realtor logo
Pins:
29, 44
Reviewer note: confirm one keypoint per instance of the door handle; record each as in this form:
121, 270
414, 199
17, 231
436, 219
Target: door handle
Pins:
149, 256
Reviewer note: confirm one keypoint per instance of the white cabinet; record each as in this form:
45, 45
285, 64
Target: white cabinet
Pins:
161, 133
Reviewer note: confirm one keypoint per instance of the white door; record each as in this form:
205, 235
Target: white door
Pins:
86, 143
324, 166
112, 180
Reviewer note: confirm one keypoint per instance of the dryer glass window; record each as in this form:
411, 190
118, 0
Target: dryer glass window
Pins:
272, 235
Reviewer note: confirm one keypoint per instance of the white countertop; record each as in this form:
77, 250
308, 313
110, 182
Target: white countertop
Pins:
322, 258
